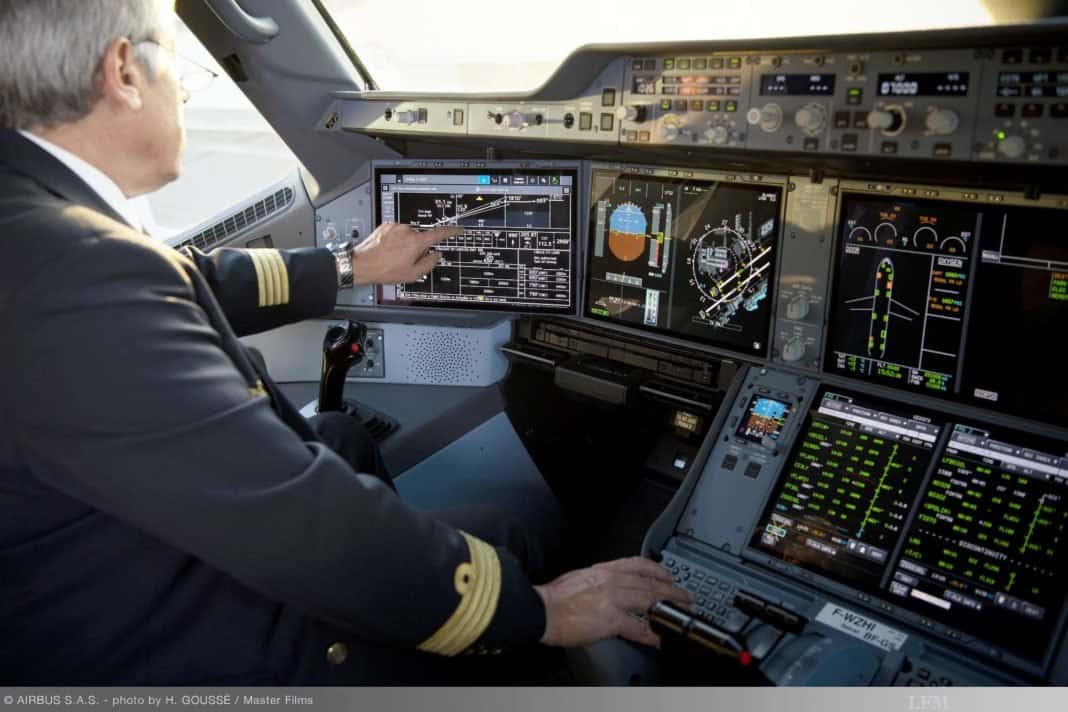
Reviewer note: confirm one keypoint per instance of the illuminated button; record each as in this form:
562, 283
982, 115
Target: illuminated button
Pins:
682, 64
811, 143
734, 63
650, 65
697, 105
1004, 110
457, 117
681, 105
585, 121
636, 65
608, 97
608, 122
730, 107
632, 136
1059, 111
700, 63
942, 150
752, 470
849, 142
665, 104
841, 119
854, 95
860, 119
712, 106
715, 63
729, 462
643, 136
888, 147
669, 90
669, 64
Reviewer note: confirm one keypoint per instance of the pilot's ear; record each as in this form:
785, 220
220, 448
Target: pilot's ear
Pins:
123, 75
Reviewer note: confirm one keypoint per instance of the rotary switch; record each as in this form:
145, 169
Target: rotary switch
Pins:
811, 118
635, 113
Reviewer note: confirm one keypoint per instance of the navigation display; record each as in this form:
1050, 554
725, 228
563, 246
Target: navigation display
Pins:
902, 285
985, 552
842, 499
518, 249
689, 257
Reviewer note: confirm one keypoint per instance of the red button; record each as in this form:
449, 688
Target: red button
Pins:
355, 348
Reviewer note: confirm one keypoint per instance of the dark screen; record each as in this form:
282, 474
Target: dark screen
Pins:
1013, 359
692, 258
842, 499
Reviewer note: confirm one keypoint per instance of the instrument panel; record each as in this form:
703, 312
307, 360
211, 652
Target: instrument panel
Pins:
980, 100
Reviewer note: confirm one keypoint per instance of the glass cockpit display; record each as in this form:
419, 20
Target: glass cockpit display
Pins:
985, 551
519, 244
845, 493
900, 302
693, 258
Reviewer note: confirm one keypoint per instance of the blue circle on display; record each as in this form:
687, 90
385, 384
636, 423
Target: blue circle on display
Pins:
628, 218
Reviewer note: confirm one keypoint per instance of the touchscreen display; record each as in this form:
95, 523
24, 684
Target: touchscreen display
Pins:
518, 249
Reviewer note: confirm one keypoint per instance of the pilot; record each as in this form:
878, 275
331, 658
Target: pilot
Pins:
165, 515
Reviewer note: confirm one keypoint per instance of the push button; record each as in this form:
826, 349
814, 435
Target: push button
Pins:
1004, 110
337, 653
729, 462
752, 470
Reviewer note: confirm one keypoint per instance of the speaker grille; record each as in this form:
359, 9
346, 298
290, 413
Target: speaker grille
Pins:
442, 356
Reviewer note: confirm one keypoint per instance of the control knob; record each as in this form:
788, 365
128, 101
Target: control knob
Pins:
330, 233
669, 128
716, 134
793, 349
811, 118
797, 309
407, 117
519, 120
1012, 146
768, 118
891, 120
635, 113
942, 122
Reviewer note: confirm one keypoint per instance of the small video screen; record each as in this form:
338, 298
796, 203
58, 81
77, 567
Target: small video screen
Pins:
686, 257
519, 245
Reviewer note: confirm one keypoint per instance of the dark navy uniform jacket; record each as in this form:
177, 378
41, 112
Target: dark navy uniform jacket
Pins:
165, 515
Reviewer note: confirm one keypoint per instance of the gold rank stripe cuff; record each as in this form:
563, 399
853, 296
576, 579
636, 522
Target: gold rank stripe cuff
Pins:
479, 584
272, 277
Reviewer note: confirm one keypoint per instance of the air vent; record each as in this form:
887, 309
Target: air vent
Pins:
253, 214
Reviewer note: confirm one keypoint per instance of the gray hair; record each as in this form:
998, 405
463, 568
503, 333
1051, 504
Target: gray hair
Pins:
51, 52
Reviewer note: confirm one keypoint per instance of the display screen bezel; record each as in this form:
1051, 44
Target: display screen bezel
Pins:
489, 168
765, 182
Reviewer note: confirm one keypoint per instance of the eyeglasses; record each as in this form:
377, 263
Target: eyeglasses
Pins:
192, 76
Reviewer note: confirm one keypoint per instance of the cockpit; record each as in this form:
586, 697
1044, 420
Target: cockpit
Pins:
770, 296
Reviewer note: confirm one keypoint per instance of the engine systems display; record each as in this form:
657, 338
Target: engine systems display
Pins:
518, 248
901, 295
693, 258
845, 493
985, 552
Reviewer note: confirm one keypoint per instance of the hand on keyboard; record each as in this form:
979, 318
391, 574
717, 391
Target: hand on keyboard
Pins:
588, 605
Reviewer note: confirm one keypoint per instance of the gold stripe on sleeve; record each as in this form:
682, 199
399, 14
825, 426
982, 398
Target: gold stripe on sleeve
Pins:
283, 277
252, 255
479, 584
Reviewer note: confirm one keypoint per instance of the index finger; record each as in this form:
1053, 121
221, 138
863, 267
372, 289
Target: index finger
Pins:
435, 235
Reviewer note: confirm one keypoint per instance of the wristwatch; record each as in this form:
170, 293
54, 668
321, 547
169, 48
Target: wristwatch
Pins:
342, 252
